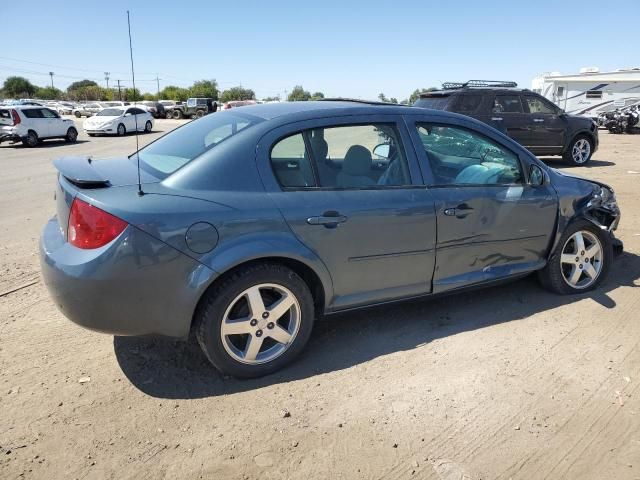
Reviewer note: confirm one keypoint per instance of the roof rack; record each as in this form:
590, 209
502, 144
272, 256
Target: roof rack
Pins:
357, 100
479, 84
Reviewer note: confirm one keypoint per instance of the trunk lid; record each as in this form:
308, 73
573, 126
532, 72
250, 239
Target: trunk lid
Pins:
6, 120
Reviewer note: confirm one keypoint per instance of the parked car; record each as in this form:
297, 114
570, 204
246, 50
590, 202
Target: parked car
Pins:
237, 103
249, 223
118, 121
194, 108
31, 125
87, 109
154, 108
527, 117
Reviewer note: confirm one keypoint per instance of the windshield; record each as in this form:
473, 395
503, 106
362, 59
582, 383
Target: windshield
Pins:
110, 112
437, 103
169, 153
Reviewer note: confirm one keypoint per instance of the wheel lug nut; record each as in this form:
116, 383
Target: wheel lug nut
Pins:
577, 259
253, 322
580, 266
582, 252
259, 333
270, 325
265, 315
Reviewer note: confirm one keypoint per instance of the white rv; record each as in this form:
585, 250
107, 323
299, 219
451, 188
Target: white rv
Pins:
591, 91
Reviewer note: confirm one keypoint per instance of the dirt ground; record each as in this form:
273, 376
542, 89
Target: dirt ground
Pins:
508, 382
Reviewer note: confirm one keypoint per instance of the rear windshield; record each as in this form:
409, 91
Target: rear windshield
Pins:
176, 149
437, 103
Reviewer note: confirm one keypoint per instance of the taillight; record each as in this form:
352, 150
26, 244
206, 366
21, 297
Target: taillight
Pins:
15, 117
90, 227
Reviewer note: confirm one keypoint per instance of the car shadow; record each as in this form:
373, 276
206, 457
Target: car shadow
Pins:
557, 162
44, 144
172, 369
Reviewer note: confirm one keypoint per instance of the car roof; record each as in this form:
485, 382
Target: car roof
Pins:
23, 107
448, 91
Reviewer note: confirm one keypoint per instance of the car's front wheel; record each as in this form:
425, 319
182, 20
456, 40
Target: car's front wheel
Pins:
72, 135
579, 151
581, 260
177, 114
256, 320
121, 129
148, 127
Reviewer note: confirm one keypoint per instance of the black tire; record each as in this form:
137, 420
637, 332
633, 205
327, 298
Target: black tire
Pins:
148, 127
78, 115
211, 311
72, 135
121, 129
551, 276
31, 140
568, 155
200, 113
177, 114
168, 115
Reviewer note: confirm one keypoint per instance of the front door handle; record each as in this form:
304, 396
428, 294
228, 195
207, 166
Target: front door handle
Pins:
538, 120
329, 219
460, 211
496, 119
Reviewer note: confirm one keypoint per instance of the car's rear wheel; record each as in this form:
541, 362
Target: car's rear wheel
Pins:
580, 261
72, 135
148, 126
78, 115
200, 113
256, 320
579, 151
121, 129
177, 114
31, 140
168, 115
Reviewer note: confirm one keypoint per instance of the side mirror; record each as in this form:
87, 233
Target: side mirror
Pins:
382, 150
537, 176
128, 114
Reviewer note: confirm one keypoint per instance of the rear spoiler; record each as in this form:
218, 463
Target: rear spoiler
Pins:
80, 172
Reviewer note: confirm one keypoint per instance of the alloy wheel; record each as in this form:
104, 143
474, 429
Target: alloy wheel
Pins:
260, 324
581, 260
581, 150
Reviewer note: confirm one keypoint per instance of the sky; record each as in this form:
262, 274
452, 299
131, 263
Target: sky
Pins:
348, 48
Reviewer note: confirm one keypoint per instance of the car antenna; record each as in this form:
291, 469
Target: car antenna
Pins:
133, 79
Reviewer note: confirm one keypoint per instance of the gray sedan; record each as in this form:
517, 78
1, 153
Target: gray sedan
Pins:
246, 226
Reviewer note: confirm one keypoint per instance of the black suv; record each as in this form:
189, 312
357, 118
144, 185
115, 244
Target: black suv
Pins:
525, 116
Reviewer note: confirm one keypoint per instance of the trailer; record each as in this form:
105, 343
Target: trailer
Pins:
591, 91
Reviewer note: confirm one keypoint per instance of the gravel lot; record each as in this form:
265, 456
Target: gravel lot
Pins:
508, 382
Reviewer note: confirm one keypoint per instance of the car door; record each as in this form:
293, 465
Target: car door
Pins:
129, 119
371, 223
36, 121
55, 125
548, 126
491, 223
507, 115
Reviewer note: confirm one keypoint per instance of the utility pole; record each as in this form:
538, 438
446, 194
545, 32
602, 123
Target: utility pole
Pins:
51, 74
119, 91
106, 77
158, 84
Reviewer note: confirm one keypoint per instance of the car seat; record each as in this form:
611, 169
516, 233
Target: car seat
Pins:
356, 168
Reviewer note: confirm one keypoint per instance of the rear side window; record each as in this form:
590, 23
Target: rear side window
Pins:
467, 103
507, 104
439, 102
32, 113
291, 164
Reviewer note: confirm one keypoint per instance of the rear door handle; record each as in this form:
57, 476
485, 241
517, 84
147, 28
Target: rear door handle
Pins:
329, 219
538, 120
496, 119
460, 211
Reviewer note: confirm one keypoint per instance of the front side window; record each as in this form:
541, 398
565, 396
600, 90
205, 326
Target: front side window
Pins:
46, 113
191, 102
537, 105
342, 157
507, 104
458, 156
110, 112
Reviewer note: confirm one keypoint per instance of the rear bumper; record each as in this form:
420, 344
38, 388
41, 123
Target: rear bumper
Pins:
135, 285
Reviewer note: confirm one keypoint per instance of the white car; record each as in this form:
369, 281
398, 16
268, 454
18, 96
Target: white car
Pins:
31, 125
118, 121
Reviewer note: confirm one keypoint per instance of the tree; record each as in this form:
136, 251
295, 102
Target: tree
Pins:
237, 93
48, 93
148, 96
272, 99
382, 97
81, 84
317, 96
171, 92
393, 100
132, 95
299, 94
416, 94
87, 92
205, 88
17, 87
